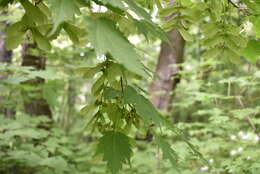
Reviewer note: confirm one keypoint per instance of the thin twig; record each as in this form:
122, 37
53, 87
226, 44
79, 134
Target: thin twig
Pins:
250, 121
235, 5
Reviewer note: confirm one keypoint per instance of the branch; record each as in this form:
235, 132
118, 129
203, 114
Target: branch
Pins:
231, 2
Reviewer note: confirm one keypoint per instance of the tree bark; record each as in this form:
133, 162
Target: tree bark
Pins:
35, 105
67, 120
5, 57
167, 76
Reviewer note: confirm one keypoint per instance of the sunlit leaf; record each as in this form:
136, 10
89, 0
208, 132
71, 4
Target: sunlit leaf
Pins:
106, 38
252, 51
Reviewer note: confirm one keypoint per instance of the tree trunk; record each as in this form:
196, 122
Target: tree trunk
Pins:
71, 100
34, 103
5, 57
167, 76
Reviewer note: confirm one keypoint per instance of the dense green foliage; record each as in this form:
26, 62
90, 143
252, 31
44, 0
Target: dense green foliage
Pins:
213, 126
28, 149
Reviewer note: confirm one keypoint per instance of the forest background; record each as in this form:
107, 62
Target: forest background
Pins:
132, 87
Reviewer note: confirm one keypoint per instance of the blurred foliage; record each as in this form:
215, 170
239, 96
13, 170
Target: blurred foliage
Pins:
93, 77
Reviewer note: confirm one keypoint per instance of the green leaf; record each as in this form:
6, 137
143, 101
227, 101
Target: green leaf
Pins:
45, 28
73, 32
63, 10
138, 10
97, 86
15, 35
4, 3
106, 38
50, 93
253, 5
89, 72
158, 4
213, 41
16, 79
232, 45
186, 2
44, 8
256, 21
57, 163
27, 21
111, 93
114, 113
168, 152
33, 12
45, 74
232, 56
14, 40
83, 3
212, 53
115, 3
146, 27
113, 6
42, 41
238, 40
185, 34
10, 125
252, 51
169, 10
210, 29
27, 133
143, 106
114, 70
15, 28
116, 150
89, 110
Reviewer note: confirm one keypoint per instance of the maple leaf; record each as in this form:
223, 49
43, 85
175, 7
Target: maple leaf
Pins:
143, 106
116, 150
168, 152
106, 38
63, 10
138, 10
